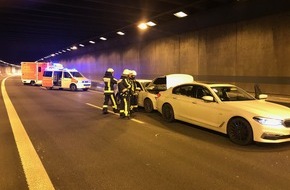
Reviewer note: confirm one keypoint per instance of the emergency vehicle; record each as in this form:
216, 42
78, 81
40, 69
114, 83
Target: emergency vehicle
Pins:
32, 72
57, 77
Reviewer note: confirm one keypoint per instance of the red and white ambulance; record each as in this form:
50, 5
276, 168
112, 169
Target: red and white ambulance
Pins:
57, 77
32, 72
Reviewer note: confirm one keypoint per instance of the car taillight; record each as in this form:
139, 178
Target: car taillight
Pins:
158, 95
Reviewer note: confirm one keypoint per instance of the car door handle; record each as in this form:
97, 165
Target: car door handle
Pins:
174, 98
194, 102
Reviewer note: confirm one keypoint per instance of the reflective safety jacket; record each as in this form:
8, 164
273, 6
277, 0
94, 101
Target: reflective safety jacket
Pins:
124, 85
109, 82
133, 85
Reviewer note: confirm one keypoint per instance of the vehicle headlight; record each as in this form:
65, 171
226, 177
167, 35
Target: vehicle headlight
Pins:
268, 121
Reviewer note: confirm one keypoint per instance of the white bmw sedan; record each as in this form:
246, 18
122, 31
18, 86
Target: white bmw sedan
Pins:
227, 109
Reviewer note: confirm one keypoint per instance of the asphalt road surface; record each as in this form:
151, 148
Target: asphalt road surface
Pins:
80, 148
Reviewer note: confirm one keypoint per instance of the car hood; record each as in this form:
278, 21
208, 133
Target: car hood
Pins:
262, 108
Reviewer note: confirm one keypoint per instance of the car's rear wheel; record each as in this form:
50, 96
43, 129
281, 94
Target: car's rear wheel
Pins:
32, 83
73, 87
240, 131
148, 105
167, 112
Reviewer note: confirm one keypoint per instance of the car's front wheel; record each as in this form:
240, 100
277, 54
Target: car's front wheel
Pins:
240, 131
148, 105
167, 112
73, 87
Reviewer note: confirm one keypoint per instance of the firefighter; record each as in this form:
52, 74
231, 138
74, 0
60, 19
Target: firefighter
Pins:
124, 86
109, 82
134, 93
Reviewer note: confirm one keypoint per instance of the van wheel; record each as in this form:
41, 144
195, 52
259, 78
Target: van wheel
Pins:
32, 83
73, 87
85, 89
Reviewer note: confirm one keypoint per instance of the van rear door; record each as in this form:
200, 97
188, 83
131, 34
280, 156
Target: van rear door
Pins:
47, 79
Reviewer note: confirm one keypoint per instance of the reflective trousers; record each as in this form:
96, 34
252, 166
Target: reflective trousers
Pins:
112, 97
125, 105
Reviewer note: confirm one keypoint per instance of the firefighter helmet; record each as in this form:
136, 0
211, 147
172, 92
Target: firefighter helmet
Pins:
126, 72
134, 73
110, 70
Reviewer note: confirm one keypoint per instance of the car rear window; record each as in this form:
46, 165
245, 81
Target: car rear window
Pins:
161, 80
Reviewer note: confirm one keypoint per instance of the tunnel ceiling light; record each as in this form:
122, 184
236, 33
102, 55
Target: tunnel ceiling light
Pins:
63, 51
81, 45
121, 33
74, 48
180, 14
92, 42
150, 23
103, 38
52, 55
143, 26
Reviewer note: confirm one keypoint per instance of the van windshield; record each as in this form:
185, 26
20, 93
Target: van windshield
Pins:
76, 74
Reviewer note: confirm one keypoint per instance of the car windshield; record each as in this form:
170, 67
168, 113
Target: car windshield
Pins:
76, 74
232, 93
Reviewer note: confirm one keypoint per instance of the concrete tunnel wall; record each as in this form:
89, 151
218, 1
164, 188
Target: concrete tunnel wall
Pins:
244, 53
9, 70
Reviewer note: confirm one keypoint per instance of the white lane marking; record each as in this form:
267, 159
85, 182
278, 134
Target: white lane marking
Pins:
34, 171
98, 107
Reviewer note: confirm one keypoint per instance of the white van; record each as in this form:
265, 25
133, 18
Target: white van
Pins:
63, 78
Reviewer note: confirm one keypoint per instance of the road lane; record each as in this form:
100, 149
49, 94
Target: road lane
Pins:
11, 171
101, 108
29, 158
83, 149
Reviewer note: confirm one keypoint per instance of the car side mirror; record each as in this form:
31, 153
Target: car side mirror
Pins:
263, 96
208, 98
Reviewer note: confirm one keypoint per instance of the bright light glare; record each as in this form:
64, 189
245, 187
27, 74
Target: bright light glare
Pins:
81, 45
150, 23
121, 33
92, 42
103, 38
180, 14
143, 26
74, 47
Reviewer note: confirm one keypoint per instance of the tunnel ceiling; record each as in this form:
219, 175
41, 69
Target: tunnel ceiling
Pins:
32, 29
